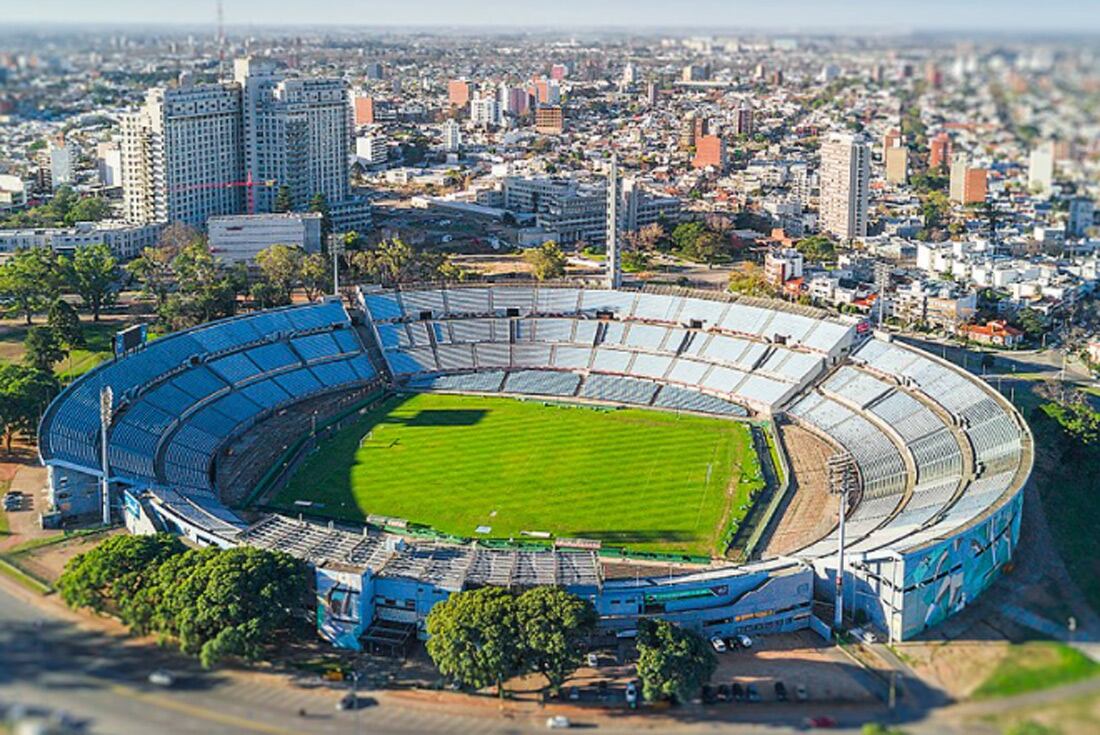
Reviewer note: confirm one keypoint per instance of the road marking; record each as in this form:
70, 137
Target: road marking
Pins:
201, 712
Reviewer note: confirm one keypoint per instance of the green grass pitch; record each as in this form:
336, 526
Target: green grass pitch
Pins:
646, 480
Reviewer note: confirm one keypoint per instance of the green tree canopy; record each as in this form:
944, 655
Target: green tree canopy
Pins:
64, 320
555, 627
115, 571
93, 274
24, 394
817, 248
44, 348
475, 637
547, 261
283, 201
318, 203
315, 275
31, 278
281, 267
672, 661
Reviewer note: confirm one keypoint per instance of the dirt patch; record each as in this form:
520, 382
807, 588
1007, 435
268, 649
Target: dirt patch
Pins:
958, 667
809, 513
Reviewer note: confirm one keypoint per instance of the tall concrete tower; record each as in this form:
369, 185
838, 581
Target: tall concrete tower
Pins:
614, 267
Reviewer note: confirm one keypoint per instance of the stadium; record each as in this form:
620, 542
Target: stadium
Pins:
659, 451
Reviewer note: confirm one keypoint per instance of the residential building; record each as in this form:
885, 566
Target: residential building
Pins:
845, 182
452, 136
1040, 168
994, 332
459, 92
781, 265
13, 193
897, 164
710, 151
62, 156
109, 164
939, 151
125, 240
967, 184
743, 124
1081, 216
364, 111
549, 120
372, 150
484, 111
182, 155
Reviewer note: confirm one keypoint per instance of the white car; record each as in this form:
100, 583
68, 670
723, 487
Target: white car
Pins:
868, 636
162, 678
592, 660
744, 640
718, 644
558, 722
631, 693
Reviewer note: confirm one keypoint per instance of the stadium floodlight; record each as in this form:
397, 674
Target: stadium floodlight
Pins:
843, 481
106, 403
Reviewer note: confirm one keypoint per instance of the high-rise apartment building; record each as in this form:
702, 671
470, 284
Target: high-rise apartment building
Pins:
458, 92
967, 184
197, 151
484, 111
897, 164
182, 155
1040, 168
296, 135
710, 150
845, 184
939, 151
549, 120
744, 122
452, 136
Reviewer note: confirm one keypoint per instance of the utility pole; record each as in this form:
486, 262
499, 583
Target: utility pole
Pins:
843, 480
882, 282
106, 412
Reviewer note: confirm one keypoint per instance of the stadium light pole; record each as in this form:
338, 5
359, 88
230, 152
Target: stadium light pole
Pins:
842, 481
106, 402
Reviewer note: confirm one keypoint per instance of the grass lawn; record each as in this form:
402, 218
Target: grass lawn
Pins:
97, 347
1036, 665
643, 479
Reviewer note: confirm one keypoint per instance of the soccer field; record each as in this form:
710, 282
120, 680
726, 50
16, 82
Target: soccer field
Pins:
647, 480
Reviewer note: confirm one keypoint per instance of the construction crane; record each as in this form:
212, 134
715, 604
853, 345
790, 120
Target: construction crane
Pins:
249, 184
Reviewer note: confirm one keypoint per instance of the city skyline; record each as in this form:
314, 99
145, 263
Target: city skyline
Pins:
848, 15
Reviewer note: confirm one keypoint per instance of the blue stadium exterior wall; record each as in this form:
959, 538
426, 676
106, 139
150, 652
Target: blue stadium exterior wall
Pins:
943, 578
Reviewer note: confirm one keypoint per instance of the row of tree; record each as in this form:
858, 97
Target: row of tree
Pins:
214, 603
33, 279
65, 209
484, 637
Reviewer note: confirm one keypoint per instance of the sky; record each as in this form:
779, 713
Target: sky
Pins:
1081, 16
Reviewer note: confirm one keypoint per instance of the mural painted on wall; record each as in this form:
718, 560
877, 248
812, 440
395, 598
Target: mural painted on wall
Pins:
944, 578
339, 611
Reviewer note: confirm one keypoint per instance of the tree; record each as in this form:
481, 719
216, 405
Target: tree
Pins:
475, 637
24, 394
750, 281
31, 279
320, 204
204, 291
219, 603
685, 235
1031, 323
672, 661
283, 202
114, 572
91, 209
315, 275
816, 248
281, 266
650, 236
153, 269
63, 319
43, 348
92, 274
707, 248
547, 261
555, 627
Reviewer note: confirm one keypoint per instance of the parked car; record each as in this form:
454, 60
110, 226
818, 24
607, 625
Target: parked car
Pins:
751, 693
348, 701
738, 692
574, 694
558, 722
824, 721
631, 693
780, 691
601, 690
162, 678
801, 693
708, 696
718, 644
592, 660
724, 693
744, 640
868, 636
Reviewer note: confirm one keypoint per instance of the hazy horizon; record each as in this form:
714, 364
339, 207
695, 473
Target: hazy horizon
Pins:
708, 16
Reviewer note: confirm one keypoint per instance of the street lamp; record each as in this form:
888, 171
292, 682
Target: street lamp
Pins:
843, 481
